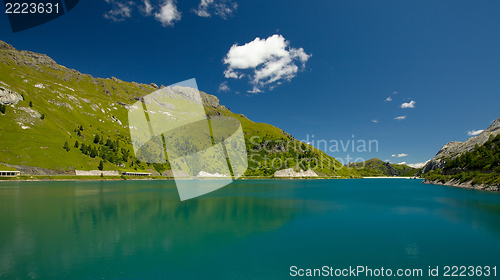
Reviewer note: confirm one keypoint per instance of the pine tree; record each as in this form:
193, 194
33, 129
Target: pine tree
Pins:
77, 144
42, 117
31, 104
101, 165
66, 146
2, 108
93, 152
97, 138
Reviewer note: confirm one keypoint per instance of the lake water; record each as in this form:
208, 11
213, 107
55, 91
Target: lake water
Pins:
251, 229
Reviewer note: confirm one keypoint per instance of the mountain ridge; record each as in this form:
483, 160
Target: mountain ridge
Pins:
454, 149
473, 164
377, 167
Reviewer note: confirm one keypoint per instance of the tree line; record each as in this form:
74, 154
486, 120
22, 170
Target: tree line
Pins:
485, 157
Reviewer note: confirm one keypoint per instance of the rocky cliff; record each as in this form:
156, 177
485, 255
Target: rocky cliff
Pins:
466, 185
453, 149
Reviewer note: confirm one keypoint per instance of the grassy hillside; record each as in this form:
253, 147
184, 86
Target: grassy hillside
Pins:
3, 167
67, 120
377, 167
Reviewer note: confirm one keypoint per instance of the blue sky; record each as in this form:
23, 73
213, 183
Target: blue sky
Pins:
322, 68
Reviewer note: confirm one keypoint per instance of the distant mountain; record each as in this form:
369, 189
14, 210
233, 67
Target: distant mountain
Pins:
454, 149
55, 120
377, 167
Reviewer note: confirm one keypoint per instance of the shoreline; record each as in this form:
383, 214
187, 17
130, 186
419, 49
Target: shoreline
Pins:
390, 177
46, 178
466, 185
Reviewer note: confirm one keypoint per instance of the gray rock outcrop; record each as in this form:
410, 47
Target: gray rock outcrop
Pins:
8, 96
203, 174
34, 170
290, 173
97, 173
5, 46
467, 185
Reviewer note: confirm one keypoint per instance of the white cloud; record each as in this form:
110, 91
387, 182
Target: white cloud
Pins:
147, 9
411, 104
400, 118
121, 10
222, 8
400, 155
271, 60
203, 7
230, 73
474, 132
394, 92
418, 165
388, 99
403, 162
254, 90
375, 121
224, 87
168, 13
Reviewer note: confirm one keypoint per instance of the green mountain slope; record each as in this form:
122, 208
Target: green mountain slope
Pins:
377, 167
57, 118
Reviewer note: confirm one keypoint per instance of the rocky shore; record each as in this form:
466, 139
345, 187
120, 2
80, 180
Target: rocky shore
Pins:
467, 185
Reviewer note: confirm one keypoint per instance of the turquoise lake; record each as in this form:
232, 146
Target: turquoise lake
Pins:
251, 229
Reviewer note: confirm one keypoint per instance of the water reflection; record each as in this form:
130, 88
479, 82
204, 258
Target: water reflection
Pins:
57, 227
478, 209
